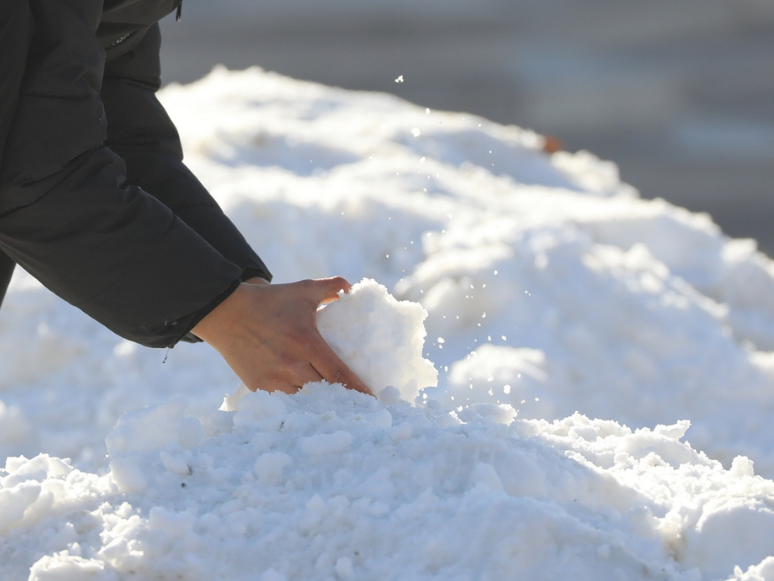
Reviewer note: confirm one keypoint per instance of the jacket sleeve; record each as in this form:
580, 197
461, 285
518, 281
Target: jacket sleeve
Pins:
70, 216
142, 134
16, 25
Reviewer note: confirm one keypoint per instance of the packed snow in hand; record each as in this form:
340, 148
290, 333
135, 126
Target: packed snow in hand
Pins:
601, 407
381, 339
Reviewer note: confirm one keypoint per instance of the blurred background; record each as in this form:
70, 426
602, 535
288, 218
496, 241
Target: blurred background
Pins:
678, 93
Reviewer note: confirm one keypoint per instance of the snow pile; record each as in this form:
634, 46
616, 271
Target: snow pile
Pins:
331, 484
546, 293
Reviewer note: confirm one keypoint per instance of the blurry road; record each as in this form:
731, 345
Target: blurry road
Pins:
679, 93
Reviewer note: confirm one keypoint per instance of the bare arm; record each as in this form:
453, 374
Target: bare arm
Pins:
268, 335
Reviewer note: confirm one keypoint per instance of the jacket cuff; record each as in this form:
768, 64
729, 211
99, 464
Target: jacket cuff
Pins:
188, 336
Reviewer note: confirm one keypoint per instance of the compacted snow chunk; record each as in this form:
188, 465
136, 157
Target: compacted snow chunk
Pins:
380, 339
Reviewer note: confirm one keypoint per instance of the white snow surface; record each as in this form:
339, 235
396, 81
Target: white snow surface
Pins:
552, 294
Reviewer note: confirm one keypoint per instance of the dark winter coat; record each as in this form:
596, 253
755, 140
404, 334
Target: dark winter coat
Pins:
95, 201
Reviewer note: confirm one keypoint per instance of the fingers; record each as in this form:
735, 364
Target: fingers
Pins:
268, 335
290, 380
308, 375
323, 359
326, 290
334, 370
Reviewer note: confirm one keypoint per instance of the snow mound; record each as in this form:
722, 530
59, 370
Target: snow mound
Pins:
333, 484
543, 290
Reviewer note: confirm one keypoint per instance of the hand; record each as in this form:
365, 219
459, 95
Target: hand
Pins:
268, 335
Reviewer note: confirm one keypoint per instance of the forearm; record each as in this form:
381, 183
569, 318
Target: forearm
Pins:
117, 253
16, 29
143, 135
172, 183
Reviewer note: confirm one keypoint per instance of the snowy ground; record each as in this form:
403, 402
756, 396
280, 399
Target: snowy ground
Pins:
553, 295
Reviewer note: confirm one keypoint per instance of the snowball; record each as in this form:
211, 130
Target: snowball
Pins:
380, 339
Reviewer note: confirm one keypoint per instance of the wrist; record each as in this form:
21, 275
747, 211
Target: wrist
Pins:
256, 280
221, 316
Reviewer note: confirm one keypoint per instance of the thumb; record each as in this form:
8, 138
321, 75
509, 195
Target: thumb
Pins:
325, 290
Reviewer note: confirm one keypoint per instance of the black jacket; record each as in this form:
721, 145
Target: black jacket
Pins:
95, 201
